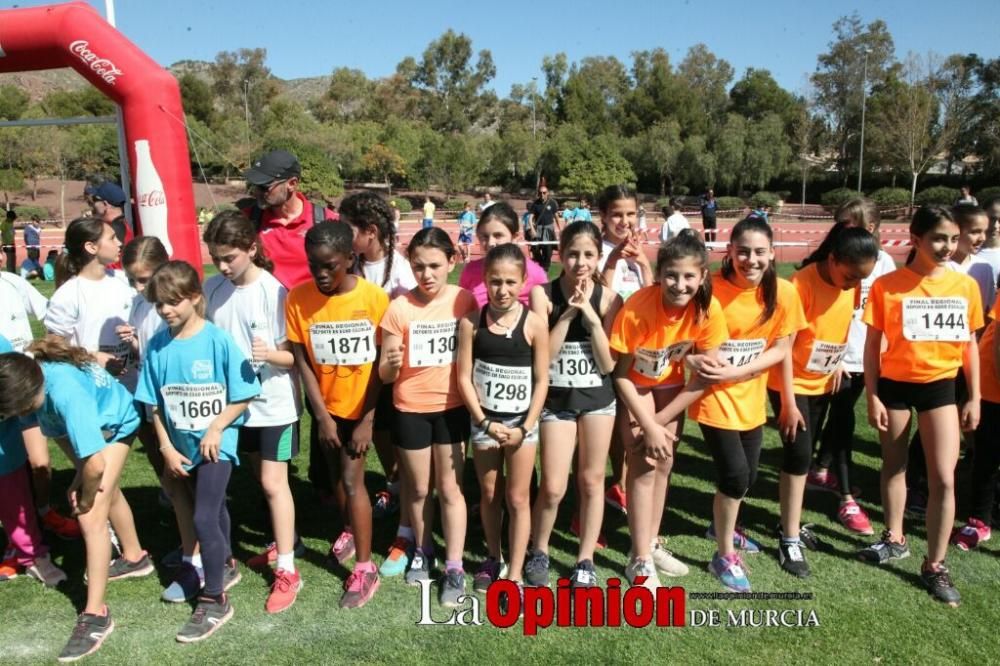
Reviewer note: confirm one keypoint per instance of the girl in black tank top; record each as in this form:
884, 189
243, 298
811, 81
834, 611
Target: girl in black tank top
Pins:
503, 376
581, 400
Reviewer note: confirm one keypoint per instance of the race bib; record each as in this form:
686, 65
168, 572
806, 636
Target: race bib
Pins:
653, 363
741, 352
343, 342
502, 388
575, 367
433, 343
825, 357
193, 407
936, 319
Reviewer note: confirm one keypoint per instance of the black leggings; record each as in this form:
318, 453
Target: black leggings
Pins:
799, 452
837, 439
986, 462
736, 454
211, 521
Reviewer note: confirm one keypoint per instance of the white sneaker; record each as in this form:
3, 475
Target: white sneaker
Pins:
638, 567
665, 562
49, 574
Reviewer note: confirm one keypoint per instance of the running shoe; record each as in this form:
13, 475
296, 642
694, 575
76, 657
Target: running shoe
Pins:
284, 590
121, 568
359, 588
807, 537
9, 569
342, 549
269, 557
884, 550
615, 498
60, 525
639, 568
854, 518
730, 571
824, 481
536, 569
43, 570
486, 575
420, 568
209, 615
187, 583
452, 587
88, 635
399, 556
583, 575
792, 559
386, 504
665, 562
574, 527
938, 583
740, 539
231, 574
972, 534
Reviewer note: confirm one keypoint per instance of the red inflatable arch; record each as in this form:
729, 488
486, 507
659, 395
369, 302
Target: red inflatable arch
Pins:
74, 35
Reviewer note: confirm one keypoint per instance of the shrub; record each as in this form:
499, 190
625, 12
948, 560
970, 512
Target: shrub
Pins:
987, 194
680, 190
784, 194
836, 197
891, 196
730, 203
454, 205
24, 212
761, 199
404, 205
939, 194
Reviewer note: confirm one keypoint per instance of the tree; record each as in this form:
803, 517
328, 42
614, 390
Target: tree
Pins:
449, 160
767, 151
385, 163
707, 77
696, 164
594, 92
573, 161
915, 117
11, 182
454, 95
347, 97
730, 148
838, 79
196, 96
243, 84
654, 152
88, 101
13, 102
758, 94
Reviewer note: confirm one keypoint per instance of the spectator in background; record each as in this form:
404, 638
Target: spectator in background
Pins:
33, 233
107, 200
429, 209
545, 219
674, 223
7, 240
582, 211
49, 269
966, 197
487, 202
567, 214
642, 226
396, 214
708, 209
466, 225
30, 268
527, 225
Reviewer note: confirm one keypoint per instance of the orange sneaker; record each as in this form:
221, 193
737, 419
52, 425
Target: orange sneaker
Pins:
264, 559
284, 591
615, 498
61, 526
9, 569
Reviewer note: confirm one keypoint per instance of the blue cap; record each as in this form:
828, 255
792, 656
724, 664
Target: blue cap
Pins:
107, 191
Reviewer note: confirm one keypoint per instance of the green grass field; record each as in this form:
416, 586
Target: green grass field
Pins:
866, 615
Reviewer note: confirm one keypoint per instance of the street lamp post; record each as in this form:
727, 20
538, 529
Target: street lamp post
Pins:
864, 100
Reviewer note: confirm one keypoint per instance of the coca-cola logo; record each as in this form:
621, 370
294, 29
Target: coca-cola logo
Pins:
152, 199
103, 67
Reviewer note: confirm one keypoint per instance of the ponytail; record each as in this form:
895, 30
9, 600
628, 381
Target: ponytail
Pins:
56, 349
80, 231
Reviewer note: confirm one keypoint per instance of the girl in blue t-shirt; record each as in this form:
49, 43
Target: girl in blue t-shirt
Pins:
199, 384
92, 417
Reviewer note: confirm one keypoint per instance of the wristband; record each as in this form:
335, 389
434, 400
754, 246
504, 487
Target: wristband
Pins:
481, 425
524, 432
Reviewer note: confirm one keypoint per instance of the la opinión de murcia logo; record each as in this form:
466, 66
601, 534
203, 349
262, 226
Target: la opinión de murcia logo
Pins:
103, 67
153, 198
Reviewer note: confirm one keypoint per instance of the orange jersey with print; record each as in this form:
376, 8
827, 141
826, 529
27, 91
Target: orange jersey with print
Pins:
820, 346
743, 405
658, 340
988, 381
926, 323
428, 380
341, 335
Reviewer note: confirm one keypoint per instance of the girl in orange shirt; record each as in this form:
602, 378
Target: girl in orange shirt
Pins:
653, 333
800, 388
928, 316
420, 345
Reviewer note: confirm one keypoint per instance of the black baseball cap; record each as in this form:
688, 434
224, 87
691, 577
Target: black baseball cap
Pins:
273, 166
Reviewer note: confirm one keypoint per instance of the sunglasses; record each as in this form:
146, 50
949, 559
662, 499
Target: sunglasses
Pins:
268, 187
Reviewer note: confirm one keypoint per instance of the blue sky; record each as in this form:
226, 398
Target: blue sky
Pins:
311, 37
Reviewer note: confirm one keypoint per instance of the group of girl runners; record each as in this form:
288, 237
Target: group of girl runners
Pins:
607, 359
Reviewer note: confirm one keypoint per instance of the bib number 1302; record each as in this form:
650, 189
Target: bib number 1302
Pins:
433, 343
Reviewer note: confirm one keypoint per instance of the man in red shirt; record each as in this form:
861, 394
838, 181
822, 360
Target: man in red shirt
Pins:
285, 214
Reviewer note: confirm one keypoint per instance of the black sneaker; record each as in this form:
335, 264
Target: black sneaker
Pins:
536, 569
939, 584
452, 587
121, 568
208, 616
885, 550
583, 575
88, 635
792, 559
807, 538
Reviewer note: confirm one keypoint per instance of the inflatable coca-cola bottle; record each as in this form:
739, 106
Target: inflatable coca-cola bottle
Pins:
149, 194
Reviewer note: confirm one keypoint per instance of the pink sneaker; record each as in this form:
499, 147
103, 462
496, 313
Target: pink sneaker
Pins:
974, 533
343, 548
854, 518
823, 481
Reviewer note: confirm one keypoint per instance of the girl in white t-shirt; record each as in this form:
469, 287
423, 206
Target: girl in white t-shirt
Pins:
379, 262
94, 301
248, 302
